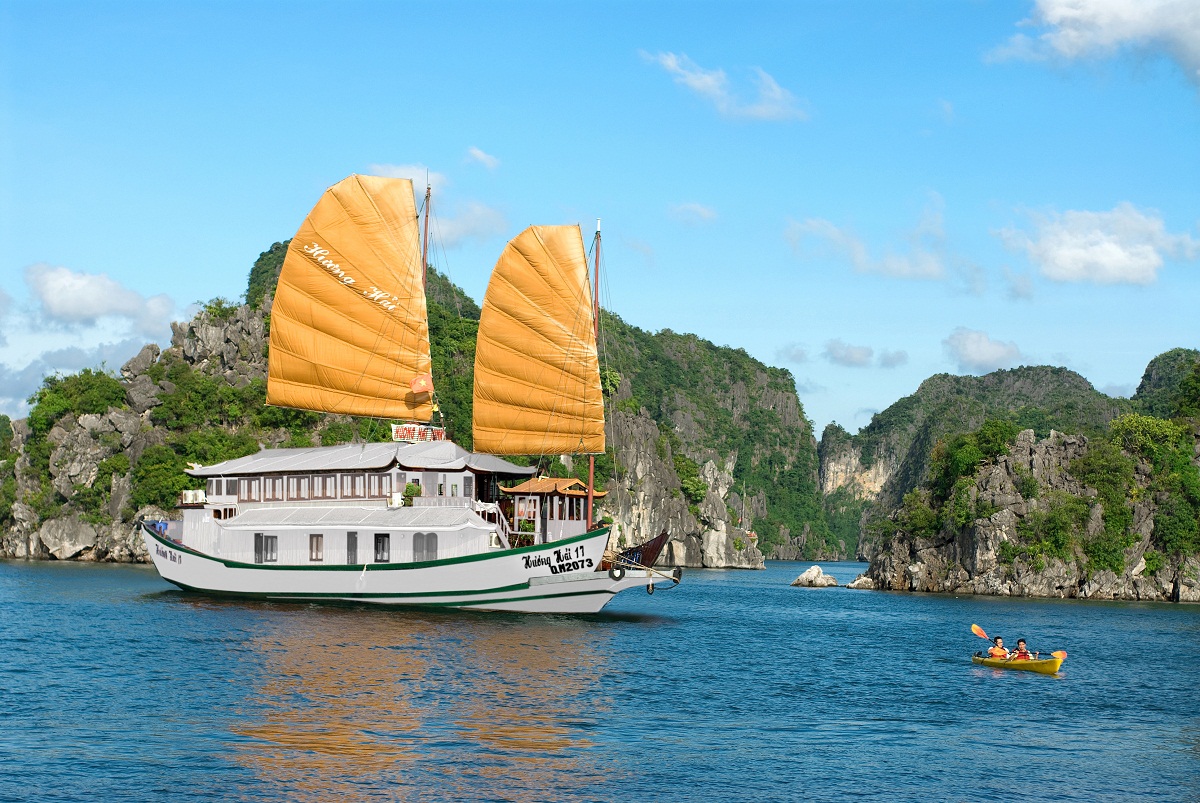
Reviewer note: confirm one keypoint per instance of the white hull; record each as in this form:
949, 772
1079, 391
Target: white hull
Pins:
558, 577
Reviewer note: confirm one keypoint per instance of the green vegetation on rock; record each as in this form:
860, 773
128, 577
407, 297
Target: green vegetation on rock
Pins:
265, 273
1157, 393
719, 401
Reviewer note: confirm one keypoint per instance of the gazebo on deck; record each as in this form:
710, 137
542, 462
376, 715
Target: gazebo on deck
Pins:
556, 506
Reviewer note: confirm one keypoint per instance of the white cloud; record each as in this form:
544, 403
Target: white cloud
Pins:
1020, 285
419, 174
792, 352
770, 101
892, 359
72, 320
947, 110
645, 249
485, 159
71, 297
809, 386
976, 352
1124, 246
471, 221
692, 213
1075, 29
923, 259
18, 383
844, 354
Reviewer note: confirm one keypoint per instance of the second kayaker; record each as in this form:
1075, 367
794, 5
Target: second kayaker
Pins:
997, 650
1021, 653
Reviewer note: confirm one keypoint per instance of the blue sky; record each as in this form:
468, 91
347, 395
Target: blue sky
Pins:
865, 194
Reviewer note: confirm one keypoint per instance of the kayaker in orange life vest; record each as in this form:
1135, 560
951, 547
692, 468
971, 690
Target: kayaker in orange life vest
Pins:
1022, 653
997, 650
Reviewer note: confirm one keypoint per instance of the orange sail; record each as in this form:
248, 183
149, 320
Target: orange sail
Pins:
349, 331
537, 376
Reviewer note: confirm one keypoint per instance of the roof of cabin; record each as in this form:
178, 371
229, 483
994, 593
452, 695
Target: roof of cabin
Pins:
431, 456
343, 516
568, 486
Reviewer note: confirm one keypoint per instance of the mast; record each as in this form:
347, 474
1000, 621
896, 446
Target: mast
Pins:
596, 327
425, 237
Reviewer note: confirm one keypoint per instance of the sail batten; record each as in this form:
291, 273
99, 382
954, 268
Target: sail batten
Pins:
537, 376
349, 328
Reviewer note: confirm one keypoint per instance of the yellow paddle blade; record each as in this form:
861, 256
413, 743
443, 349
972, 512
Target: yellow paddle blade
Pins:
1059, 654
977, 630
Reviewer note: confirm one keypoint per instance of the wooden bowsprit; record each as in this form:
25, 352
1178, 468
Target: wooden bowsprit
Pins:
640, 558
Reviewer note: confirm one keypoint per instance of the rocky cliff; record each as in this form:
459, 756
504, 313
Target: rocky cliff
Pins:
890, 456
647, 496
1063, 516
729, 433
74, 472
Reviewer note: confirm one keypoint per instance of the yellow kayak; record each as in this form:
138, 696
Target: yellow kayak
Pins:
1044, 666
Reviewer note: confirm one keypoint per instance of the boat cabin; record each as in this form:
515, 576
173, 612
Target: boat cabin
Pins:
352, 504
552, 508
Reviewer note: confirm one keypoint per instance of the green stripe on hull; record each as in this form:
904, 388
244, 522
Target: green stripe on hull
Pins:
355, 597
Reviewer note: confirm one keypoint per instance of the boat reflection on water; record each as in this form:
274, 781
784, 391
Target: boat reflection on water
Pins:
355, 701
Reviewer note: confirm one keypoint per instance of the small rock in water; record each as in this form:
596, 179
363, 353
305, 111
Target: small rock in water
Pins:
862, 581
813, 577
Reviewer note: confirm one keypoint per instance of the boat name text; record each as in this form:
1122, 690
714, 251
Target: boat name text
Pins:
561, 560
174, 557
320, 255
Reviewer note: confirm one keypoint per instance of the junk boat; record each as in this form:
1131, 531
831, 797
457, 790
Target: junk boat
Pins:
350, 335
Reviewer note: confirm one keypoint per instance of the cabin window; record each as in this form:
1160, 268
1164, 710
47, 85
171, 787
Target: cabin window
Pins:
230, 487
424, 546
561, 505
454, 489
212, 487
249, 490
379, 485
383, 547
230, 512
298, 487
273, 489
550, 507
575, 504
469, 487
316, 547
217, 514
351, 547
354, 486
416, 480
266, 548
324, 486
441, 489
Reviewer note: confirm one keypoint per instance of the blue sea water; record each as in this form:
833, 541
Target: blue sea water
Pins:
732, 686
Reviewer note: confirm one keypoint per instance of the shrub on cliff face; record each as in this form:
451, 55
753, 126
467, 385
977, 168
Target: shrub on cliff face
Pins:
1110, 471
1051, 531
87, 392
265, 273
1146, 435
1187, 398
8, 475
158, 478
958, 457
92, 500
